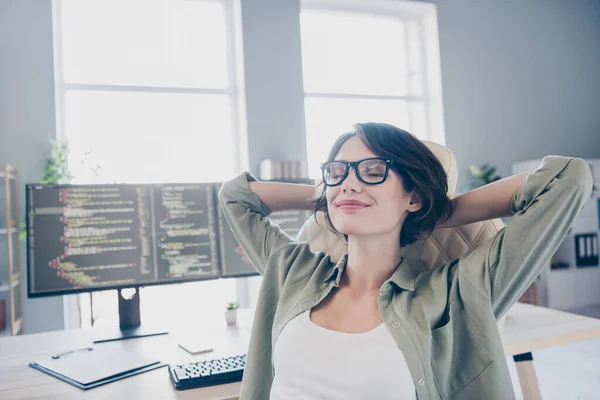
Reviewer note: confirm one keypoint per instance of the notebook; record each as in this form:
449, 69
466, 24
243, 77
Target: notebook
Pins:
95, 366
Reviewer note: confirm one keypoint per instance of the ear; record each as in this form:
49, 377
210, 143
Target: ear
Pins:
415, 202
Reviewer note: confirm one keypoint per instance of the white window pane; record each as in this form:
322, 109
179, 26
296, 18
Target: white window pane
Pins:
206, 302
158, 304
149, 137
85, 310
436, 112
176, 43
326, 119
353, 53
415, 53
418, 119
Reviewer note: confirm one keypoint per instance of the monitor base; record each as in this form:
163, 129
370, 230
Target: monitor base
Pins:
110, 335
130, 322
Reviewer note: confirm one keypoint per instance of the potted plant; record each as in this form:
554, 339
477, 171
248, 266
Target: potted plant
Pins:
482, 176
57, 170
231, 312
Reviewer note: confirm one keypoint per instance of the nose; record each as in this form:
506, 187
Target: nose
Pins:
351, 183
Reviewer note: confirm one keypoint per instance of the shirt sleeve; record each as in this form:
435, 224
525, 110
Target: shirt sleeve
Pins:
247, 217
544, 209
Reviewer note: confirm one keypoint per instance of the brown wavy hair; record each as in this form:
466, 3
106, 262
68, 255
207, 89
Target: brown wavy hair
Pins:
415, 163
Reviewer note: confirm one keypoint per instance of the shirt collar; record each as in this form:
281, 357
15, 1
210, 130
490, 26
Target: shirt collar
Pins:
337, 270
404, 276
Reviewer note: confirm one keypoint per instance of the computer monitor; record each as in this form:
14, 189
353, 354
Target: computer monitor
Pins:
232, 259
84, 238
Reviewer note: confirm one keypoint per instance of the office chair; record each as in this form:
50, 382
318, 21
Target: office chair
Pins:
443, 245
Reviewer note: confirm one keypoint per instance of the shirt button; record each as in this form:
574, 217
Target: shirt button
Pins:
385, 288
421, 382
396, 325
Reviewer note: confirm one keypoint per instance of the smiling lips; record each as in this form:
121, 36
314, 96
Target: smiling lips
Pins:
351, 205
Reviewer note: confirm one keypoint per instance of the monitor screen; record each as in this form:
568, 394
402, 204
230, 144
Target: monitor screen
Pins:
84, 238
93, 237
233, 260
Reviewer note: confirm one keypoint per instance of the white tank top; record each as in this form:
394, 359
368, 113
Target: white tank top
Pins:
312, 362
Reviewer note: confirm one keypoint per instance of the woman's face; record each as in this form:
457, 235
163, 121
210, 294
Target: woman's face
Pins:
356, 208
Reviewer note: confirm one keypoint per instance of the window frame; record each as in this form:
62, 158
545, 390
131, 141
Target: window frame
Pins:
234, 90
423, 14
73, 304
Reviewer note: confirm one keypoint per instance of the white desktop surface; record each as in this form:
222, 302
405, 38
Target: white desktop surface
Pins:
19, 381
527, 328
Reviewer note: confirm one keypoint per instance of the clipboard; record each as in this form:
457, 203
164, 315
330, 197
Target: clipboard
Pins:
92, 367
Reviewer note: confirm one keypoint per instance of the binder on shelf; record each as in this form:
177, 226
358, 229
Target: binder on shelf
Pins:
586, 245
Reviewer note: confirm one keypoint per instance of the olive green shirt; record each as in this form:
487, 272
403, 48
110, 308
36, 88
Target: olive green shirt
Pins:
443, 320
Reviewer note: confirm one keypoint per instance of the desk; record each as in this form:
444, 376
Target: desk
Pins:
527, 328
19, 381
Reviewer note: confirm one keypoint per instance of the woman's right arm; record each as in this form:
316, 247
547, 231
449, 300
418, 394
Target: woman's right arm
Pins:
247, 203
284, 196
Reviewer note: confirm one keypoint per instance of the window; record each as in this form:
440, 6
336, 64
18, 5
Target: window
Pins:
148, 91
369, 62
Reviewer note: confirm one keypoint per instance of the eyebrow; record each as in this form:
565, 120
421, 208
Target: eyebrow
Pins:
366, 158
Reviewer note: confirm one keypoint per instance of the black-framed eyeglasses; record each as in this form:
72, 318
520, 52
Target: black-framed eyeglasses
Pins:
370, 171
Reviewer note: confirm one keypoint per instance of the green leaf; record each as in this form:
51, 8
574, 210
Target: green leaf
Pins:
488, 174
475, 171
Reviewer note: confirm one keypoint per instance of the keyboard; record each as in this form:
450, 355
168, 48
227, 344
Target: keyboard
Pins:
207, 373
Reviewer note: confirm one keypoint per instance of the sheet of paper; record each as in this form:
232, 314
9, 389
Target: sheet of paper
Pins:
87, 367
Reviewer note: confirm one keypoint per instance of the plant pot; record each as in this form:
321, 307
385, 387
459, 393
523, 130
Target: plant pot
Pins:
231, 316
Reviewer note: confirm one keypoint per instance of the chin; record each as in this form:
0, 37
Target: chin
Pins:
346, 227
355, 225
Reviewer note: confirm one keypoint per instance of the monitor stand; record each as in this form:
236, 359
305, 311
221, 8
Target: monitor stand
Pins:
130, 324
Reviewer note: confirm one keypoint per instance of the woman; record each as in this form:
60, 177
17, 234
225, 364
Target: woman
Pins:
370, 327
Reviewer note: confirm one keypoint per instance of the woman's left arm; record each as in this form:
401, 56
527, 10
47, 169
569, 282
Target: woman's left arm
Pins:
544, 205
487, 202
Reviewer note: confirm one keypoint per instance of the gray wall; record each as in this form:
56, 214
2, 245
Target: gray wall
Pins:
27, 120
519, 79
274, 88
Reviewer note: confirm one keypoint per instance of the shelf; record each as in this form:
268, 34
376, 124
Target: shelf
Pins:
6, 331
12, 228
5, 286
13, 286
12, 172
10, 175
13, 224
18, 325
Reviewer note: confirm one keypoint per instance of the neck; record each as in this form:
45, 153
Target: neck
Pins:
371, 261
